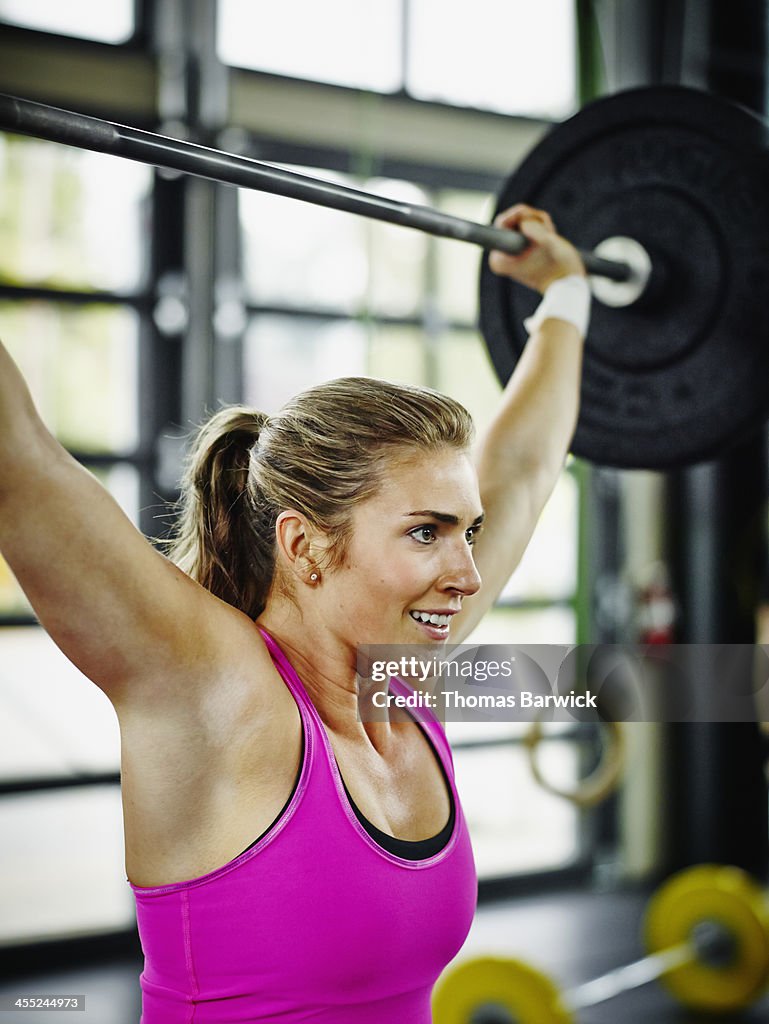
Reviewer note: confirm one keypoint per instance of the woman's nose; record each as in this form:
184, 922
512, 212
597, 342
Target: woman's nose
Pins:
463, 575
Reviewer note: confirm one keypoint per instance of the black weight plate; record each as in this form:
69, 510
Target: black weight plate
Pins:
683, 373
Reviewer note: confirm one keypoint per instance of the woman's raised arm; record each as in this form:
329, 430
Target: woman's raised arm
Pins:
522, 454
124, 614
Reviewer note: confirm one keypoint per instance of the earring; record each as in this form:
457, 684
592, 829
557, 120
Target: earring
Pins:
314, 577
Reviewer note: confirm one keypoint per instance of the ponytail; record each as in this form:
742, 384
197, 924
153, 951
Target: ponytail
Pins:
219, 540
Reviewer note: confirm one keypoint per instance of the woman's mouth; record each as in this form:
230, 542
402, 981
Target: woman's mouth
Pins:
434, 624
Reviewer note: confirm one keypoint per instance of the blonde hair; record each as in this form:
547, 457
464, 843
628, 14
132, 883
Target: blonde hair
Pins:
323, 453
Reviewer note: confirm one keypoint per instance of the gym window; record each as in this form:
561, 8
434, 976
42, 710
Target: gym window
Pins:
111, 22
73, 264
326, 294
415, 47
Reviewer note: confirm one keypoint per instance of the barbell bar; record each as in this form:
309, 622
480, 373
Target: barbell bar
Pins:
92, 133
707, 939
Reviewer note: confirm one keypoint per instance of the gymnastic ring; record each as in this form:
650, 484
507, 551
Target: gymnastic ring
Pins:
601, 782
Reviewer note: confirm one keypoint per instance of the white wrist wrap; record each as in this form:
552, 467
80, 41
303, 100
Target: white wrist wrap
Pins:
567, 298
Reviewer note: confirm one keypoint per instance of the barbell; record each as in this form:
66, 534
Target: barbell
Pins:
707, 938
667, 187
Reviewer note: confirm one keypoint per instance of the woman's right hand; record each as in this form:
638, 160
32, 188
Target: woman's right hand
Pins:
545, 259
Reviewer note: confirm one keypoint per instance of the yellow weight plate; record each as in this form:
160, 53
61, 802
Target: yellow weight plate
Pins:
735, 902
509, 986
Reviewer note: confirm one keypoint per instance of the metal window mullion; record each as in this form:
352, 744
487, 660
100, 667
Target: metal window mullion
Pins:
71, 296
231, 317
198, 389
329, 315
48, 783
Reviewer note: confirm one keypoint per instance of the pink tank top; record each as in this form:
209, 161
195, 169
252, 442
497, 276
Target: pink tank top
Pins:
315, 923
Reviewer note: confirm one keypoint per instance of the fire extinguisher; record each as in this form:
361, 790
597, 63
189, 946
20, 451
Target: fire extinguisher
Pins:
656, 608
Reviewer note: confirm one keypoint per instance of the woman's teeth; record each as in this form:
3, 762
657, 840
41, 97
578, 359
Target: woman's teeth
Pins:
434, 620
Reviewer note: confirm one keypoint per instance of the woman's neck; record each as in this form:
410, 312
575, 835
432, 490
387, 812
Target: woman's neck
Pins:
327, 668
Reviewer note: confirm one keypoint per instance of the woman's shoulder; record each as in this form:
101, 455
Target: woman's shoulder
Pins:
224, 662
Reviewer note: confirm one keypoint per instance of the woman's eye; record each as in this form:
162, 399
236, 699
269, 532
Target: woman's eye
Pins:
424, 534
471, 535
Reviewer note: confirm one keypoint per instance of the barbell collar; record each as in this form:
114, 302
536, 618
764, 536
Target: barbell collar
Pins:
92, 133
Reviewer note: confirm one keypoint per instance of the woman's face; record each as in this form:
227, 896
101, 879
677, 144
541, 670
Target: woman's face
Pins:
409, 562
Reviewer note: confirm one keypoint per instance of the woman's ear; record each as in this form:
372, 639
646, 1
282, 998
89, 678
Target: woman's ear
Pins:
300, 546
292, 536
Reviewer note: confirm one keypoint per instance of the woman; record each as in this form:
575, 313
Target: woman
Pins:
352, 517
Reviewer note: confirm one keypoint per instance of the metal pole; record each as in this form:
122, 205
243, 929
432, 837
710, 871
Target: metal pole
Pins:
628, 977
92, 133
